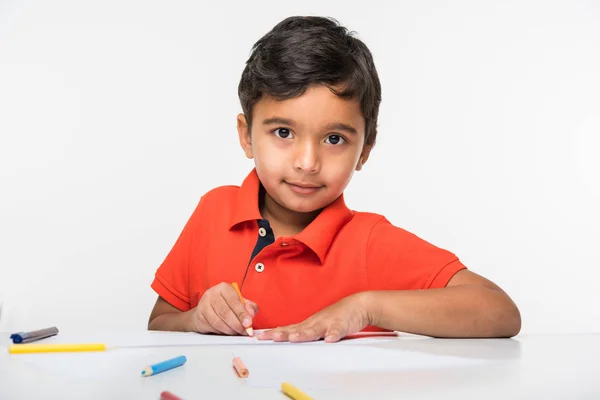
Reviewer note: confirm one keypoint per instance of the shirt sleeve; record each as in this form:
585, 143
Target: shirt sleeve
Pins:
171, 281
400, 260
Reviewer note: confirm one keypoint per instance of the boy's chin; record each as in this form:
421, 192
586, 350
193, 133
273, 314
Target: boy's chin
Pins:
304, 207
304, 210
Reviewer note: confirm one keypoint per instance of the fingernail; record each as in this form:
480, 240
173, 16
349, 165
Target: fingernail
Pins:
246, 322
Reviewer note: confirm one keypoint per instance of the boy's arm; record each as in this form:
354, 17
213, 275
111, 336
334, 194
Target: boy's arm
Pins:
165, 317
469, 306
412, 286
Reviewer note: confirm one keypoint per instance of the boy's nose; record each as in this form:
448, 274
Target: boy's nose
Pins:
307, 158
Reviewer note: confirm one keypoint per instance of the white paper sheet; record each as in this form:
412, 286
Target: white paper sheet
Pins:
111, 366
174, 339
310, 366
332, 367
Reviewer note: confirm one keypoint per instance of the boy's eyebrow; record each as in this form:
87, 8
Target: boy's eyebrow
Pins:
339, 126
277, 120
336, 126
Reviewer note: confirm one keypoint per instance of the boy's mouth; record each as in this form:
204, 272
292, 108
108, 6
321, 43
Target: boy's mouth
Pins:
303, 187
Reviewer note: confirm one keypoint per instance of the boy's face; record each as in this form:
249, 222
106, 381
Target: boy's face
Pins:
305, 149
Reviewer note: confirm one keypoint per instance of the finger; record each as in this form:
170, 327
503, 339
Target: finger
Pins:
280, 336
252, 308
217, 323
336, 332
243, 317
209, 328
277, 334
231, 314
265, 335
307, 334
202, 325
226, 314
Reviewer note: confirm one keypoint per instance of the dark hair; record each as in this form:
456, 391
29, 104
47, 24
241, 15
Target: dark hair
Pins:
303, 51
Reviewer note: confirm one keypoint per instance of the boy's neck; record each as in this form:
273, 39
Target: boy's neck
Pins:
284, 222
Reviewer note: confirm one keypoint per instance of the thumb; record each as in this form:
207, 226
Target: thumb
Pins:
251, 307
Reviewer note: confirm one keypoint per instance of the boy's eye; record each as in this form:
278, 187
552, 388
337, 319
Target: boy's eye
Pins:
335, 139
283, 133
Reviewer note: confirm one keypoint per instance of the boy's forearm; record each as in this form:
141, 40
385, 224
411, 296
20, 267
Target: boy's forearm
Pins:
465, 311
175, 322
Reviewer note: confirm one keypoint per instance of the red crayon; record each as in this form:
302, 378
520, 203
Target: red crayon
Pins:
169, 396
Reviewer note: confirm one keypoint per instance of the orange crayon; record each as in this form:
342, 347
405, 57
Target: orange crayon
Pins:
240, 368
249, 329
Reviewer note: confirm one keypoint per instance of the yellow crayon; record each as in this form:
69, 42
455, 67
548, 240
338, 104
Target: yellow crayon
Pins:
54, 348
293, 392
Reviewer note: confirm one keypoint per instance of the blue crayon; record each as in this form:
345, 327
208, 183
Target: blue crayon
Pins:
164, 366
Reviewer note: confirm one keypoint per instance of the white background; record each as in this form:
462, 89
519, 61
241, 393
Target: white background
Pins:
116, 116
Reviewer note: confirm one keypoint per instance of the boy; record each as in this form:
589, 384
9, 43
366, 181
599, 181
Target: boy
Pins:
307, 265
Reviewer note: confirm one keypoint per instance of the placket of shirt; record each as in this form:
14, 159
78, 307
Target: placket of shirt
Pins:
266, 237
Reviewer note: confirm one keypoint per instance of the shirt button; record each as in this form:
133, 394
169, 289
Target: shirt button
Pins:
262, 232
259, 267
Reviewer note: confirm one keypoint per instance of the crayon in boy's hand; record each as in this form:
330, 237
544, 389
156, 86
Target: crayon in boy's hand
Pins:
249, 330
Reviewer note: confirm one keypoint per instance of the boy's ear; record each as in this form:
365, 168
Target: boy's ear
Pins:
244, 135
364, 156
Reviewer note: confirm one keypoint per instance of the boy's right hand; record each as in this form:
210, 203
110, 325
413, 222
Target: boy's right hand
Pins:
221, 311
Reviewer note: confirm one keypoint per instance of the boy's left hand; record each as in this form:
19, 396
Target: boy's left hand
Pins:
347, 316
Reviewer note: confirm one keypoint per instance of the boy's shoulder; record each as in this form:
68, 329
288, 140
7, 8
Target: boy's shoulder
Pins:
381, 230
366, 217
376, 222
222, 192
220, 196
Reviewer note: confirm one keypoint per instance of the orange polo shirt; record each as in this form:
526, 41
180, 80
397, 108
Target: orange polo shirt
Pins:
340, 253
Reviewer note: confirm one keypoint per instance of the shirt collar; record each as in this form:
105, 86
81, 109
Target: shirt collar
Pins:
317, 236
247, 201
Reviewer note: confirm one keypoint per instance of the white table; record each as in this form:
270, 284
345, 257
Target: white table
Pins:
527, 367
